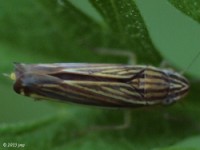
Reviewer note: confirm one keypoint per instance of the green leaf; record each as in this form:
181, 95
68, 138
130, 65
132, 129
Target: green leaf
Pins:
46, 28
128, 29
189, 7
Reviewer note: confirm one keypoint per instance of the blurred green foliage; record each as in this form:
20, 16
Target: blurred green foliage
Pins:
189, 7
45, 31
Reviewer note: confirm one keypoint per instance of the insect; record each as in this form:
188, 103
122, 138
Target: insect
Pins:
107, 85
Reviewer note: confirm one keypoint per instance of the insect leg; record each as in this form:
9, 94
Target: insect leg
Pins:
166, 65
116, 52
127, 121
125, 124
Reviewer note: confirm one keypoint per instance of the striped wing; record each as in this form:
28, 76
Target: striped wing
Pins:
92, 84
101, 70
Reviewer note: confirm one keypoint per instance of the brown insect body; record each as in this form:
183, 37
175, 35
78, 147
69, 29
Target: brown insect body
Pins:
108, 85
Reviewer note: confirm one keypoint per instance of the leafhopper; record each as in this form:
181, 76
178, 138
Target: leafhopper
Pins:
107, 85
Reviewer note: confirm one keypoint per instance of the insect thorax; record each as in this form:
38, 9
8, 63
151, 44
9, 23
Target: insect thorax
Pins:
160, 86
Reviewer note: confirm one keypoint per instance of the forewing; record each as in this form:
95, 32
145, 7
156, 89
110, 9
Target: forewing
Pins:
92, 84
101, 70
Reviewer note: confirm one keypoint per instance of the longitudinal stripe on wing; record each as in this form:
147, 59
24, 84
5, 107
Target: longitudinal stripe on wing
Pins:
96, 90
106, 70
115, 90
78, 76
88, 94
67, 92
121, 91
74, 97
102, 96
115, 72
85, 96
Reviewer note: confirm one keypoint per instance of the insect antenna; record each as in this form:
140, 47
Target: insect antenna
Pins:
191, 63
